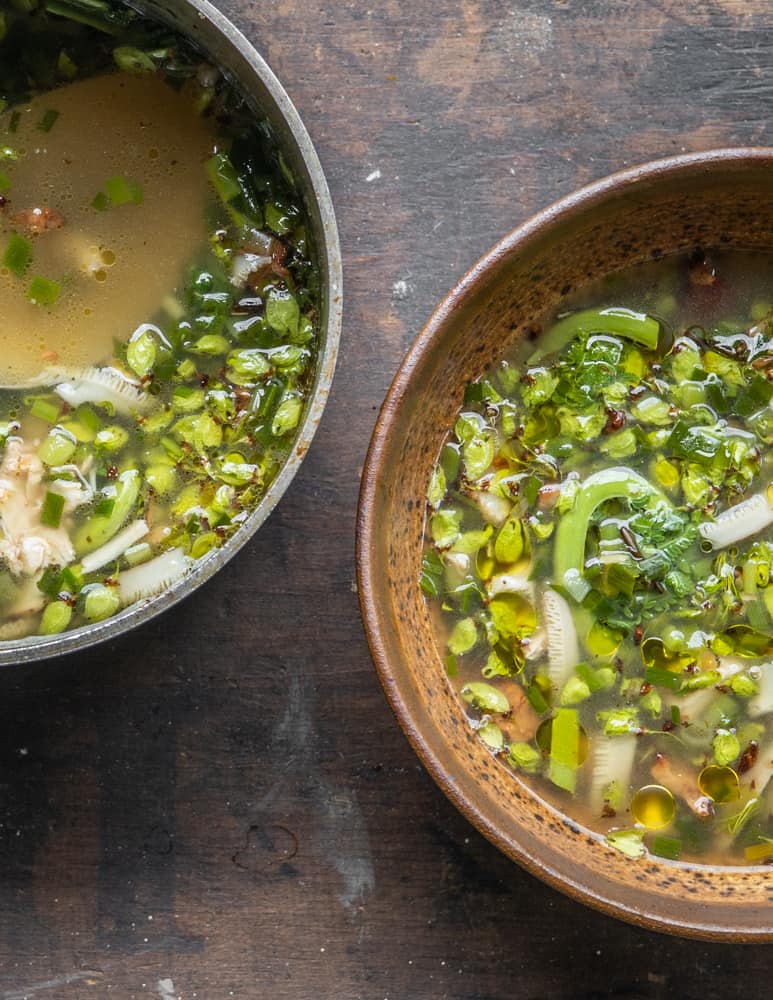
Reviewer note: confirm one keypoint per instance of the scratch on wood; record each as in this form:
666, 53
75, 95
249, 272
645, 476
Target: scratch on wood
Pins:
91, 977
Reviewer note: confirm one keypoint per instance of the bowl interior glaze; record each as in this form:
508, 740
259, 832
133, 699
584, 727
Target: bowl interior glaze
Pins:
724, 198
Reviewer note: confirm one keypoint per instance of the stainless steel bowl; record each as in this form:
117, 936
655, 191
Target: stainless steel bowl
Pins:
229, 49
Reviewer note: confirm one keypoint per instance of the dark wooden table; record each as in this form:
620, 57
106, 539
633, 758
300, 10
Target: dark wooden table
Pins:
222, 804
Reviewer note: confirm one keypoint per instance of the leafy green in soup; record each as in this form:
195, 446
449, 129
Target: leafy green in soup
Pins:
159, 306
599, 551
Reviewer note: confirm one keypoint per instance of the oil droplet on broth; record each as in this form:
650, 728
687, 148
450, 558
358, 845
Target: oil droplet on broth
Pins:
719, 783
106, 127
653, 806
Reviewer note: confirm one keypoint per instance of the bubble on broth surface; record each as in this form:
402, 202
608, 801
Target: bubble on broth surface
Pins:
104, 130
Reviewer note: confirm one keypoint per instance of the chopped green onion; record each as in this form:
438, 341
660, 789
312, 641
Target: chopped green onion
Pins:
101, 202
88, 417
5, 183
132, 60
45, 410
51, 514
536, 698
635, 326
569, 549
48, 120
105, 507
758, 853
564, 749
99, 529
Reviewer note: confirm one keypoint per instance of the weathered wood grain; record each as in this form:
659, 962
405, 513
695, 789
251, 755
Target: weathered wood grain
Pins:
222, 805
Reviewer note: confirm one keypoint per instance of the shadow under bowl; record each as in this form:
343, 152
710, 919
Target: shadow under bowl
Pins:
716, 199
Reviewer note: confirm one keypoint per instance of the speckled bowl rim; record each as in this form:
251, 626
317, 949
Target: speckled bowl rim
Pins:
416, 360
269, 98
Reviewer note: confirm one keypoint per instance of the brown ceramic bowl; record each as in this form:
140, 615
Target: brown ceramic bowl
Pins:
722, 198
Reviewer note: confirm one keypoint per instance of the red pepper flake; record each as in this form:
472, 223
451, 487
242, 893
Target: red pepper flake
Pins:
243, 397
748, 757
615, 420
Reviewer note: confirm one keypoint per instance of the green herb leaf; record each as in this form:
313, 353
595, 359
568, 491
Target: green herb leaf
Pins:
223, 177
431, 574
122, 191
628, 842
18, 255
43, 292
666, 847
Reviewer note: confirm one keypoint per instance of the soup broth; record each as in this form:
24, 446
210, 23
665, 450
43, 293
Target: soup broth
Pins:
159, 309
599, 552
115, 267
